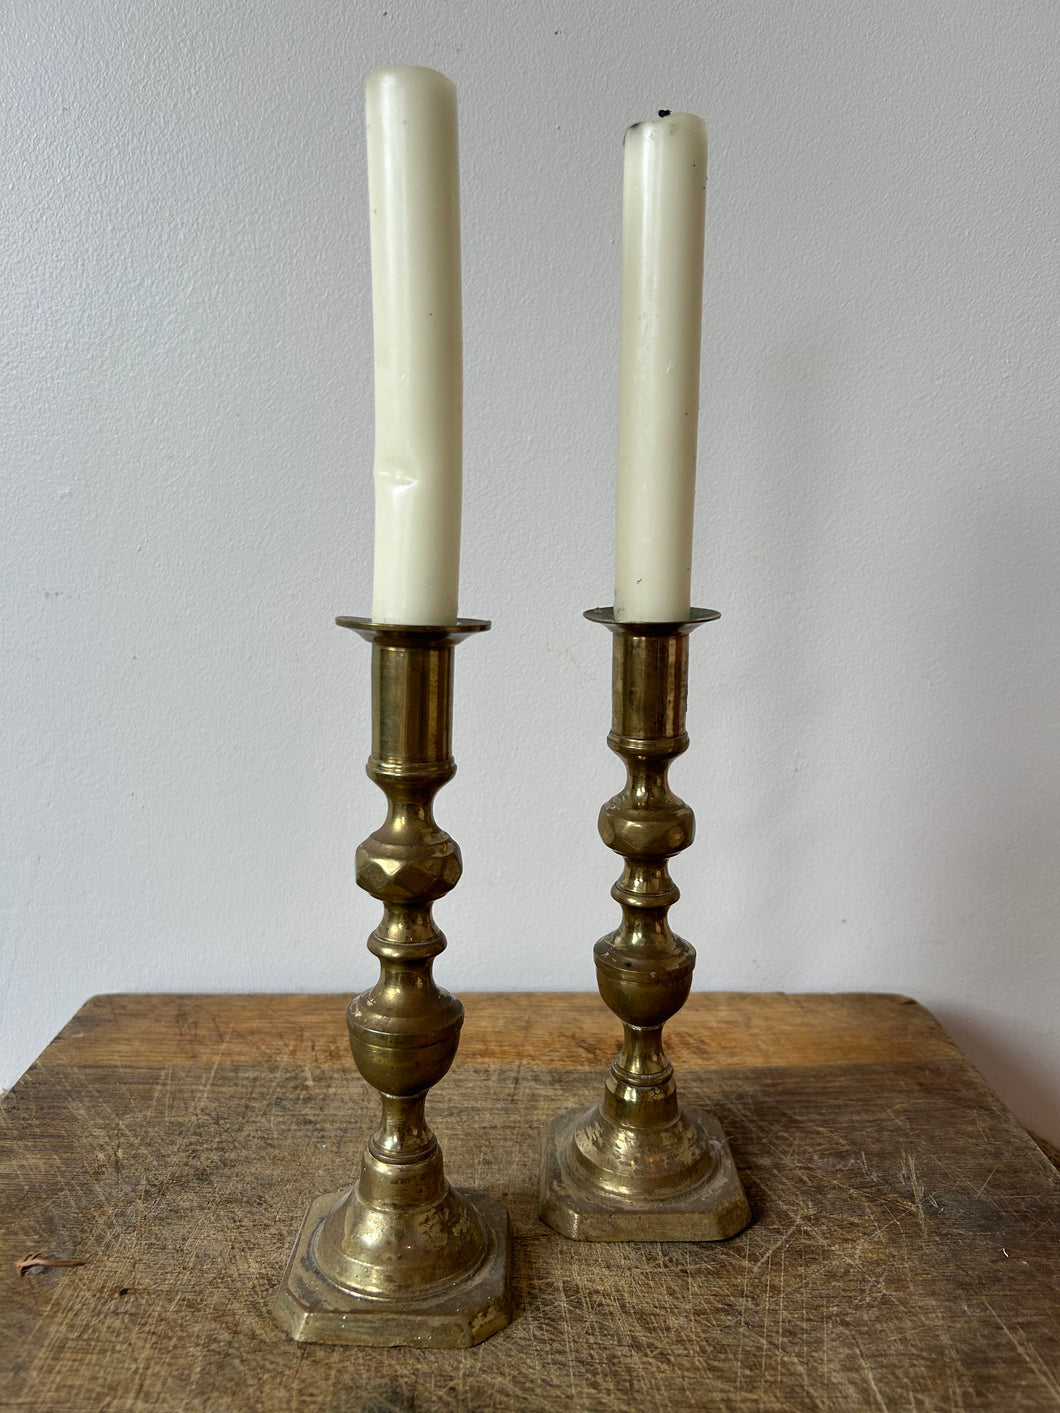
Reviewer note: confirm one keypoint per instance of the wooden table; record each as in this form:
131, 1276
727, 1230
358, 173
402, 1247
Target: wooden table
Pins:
903, 1255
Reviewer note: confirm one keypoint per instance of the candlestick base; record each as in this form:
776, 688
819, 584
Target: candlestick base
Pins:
712, 1209
313, 1309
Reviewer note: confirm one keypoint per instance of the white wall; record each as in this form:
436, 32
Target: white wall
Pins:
186, 432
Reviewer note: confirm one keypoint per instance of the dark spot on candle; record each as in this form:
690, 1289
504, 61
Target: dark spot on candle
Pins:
664, 112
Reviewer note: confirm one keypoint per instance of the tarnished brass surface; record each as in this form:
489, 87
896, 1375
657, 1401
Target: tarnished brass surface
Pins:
402, 1258
711, 1211
639, 1167
316, 1311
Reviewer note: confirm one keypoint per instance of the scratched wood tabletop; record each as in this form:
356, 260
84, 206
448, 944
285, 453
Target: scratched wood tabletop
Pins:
903, 1256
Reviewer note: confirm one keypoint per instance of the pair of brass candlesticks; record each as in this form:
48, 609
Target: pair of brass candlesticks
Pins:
402, 1259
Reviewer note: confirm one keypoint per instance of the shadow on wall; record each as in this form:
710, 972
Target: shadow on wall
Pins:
941, 653
982, 1037
989, 881
794, 679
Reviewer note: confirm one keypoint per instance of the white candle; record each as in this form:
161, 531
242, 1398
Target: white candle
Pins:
658, 415
413, 192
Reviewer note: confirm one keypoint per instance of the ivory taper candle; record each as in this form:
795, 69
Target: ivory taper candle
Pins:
658, 414
413, 192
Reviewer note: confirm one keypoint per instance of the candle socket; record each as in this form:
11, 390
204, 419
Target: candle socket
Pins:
639, 1167
401, 1258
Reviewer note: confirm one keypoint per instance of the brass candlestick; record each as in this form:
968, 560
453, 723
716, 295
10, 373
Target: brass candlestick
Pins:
639, 1167
402, 1259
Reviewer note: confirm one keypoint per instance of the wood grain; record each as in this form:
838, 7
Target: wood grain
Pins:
903, 1256
569, 1030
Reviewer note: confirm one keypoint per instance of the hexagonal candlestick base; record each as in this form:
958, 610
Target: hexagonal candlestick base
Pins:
313, 1310
713, 1210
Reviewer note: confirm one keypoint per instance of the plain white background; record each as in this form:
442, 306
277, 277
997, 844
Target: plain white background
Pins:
187, 442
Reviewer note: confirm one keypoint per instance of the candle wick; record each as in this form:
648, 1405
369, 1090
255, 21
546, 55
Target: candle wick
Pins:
664, 112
